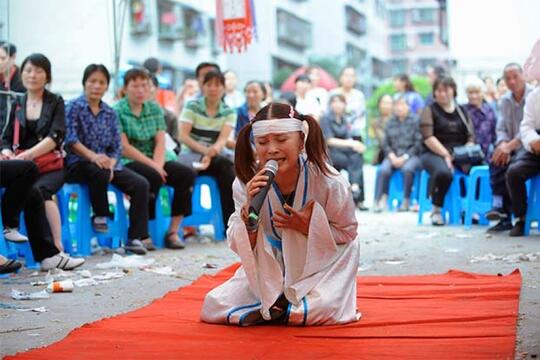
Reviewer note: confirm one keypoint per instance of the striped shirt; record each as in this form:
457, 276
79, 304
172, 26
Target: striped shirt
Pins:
206, 129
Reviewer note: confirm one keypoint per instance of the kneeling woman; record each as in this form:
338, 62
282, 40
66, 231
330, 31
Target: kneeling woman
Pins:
299, 264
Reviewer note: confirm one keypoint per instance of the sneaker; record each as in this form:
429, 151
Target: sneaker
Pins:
13, 235
9, 266
148, 244
173, 242
437, 219
100, 224
496, 214
61, 261
502, 225
135, 246
518, 229
360, 206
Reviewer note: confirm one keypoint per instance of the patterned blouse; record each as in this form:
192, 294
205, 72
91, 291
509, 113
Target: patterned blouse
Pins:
98, 133
403, 137
484, 121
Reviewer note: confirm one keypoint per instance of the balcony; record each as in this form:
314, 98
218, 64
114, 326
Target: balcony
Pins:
292, 31
356, 22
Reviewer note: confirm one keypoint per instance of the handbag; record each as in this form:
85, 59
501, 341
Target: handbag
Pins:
472, 155
51, 161
467, 154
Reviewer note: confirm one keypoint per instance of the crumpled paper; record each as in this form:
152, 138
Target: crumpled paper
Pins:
125, 262
98, 279
164, 270
512, 258
21, 295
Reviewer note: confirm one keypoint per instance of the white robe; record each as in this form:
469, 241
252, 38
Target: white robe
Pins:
316, 273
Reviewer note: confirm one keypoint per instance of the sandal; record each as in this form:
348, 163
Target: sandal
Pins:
173, 242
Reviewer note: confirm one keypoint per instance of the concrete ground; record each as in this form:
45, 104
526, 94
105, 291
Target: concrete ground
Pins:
391, 244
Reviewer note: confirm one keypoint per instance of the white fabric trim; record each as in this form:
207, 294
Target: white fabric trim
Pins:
277, 126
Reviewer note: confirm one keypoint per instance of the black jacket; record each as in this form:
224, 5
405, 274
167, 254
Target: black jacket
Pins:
15, 84
51, 123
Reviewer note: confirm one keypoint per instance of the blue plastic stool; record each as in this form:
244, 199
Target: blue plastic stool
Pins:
479, 196
452, 202
3, 245
533, 204
63, 208
83, 230
200, 214
159, 226
14, 250
396, 190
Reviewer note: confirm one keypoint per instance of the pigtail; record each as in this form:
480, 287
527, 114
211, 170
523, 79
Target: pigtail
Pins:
316, 149
244, 159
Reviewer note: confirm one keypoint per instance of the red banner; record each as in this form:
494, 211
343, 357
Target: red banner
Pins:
234, 24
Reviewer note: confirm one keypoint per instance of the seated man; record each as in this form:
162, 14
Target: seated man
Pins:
508, 144
527, 163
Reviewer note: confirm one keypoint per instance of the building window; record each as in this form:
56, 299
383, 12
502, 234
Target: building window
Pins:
281, 70
355, 56
194, 29
424, 16
399, 66
293, 31
426, 38
356, 21
398, 42
422, 64
139, 19
170, 24
397, 18
380, 8
378, 68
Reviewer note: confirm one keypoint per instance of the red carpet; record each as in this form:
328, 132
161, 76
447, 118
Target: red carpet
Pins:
456, 315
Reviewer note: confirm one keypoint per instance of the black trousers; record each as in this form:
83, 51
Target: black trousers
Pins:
179, 177
385, 172
525, 166
47, 184
353, 162
18, 179
497, 180
222, 169
440, 176
127, 181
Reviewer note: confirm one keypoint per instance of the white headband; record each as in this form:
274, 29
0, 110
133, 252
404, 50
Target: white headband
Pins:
277, 126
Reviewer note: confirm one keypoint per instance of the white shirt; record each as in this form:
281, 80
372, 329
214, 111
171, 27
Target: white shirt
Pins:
308, 106
235, 99
530, 125
356, 106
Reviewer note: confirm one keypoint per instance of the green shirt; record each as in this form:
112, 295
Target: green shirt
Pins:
206, 129
141, 130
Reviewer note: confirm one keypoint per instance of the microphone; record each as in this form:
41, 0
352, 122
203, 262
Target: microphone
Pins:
271, 167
